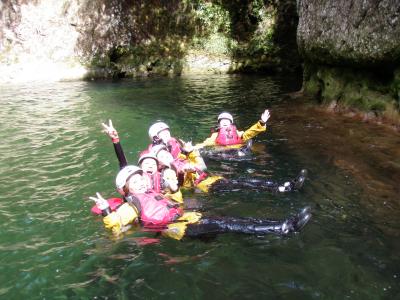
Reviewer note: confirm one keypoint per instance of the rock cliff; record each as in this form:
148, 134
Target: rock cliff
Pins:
52, 40
351, 51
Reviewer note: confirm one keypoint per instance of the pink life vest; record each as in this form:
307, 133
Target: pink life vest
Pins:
113, 202
174, 147
228, 136
154, 209
180, 165
154, 181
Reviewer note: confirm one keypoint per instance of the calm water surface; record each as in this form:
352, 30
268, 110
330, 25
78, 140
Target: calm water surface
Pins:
54, 156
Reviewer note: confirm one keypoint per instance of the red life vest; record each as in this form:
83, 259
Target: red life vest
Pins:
154, 181
113, 202
228, 136
154, 209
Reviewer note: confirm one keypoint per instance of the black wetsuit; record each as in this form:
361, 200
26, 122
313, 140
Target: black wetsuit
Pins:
226, 185
228, 154
216, 225
212, 225
120, 155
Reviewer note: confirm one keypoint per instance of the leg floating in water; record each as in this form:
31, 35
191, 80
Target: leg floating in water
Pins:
216, 225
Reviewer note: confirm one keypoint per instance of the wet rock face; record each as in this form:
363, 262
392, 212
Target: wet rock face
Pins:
349, 32
351, 52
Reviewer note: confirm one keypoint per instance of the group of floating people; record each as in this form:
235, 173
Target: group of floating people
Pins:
151, 191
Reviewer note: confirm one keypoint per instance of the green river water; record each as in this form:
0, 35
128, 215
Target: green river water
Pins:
54, 156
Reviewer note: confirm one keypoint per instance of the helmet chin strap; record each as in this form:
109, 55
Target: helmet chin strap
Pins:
157, 140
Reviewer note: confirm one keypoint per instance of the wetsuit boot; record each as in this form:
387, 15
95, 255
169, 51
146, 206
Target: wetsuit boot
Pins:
295, 184
298, 182
292, 224
297, 222
246, 149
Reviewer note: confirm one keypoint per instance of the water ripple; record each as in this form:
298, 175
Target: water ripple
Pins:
55, 156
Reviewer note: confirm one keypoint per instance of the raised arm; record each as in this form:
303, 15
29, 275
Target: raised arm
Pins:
113, 134
257, 128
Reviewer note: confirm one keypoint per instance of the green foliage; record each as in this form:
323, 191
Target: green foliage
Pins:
213, 36
151, 34
217, 43
214, 19
243, 30
261, 41
101, 61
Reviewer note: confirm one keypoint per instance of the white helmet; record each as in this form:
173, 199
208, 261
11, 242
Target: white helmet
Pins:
147, 154
156, 128
124, 174
157, 148
225, 115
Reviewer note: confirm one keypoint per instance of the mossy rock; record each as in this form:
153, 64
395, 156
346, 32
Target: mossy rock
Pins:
359, 89
333, 84
312, 86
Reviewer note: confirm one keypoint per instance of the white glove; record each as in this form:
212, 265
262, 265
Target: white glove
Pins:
265, 116
170, 180
110, 131
101, 203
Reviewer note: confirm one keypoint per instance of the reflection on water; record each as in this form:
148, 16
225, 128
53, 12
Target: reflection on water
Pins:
54, 156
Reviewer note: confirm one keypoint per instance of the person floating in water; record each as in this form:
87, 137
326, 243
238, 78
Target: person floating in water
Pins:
162, 181
192, 177
228, 135
164, 172
157, 213
159, 133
